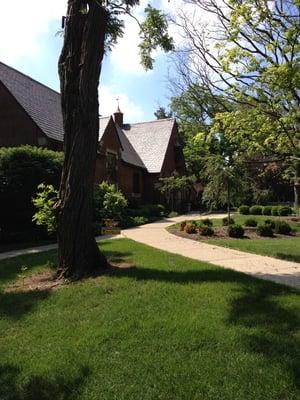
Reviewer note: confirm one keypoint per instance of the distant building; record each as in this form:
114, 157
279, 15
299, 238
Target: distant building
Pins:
134, 156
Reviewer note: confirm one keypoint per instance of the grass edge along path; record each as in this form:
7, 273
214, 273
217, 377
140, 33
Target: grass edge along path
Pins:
287, 249
168, 328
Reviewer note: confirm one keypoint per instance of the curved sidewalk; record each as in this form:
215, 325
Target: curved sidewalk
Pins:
268, 268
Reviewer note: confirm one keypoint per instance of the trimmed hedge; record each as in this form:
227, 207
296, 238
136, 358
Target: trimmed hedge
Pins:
225, 221
206, 230
267, 210
250, 222
207, 222
256, 210
244, 210
264, 230
283, 228
22, 169
236, 231
284, 211
274, 211
269, 222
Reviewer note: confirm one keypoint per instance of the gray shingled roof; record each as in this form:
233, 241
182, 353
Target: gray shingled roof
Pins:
103, 122
129, 154
150, 141
144, 144
39, 101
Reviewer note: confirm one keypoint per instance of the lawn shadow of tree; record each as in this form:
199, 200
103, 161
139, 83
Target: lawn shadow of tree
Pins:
15, 305
11, 267
40, 387
272, 329
256, 305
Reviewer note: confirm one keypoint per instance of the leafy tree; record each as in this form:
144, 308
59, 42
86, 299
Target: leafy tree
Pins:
251, 57
173, 185
90, 26
161, 113
224, 182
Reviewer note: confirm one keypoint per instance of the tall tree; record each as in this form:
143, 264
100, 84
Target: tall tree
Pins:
90, 24
250, 55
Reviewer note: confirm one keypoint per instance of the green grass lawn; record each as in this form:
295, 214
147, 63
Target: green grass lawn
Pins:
169, 328
286, 249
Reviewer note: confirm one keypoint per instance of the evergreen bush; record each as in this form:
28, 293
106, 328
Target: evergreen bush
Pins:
256, 210
236, 231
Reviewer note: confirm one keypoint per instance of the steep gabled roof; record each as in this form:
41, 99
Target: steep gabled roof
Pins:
40, 102
129, 155
143, 144
150, 141
103, 122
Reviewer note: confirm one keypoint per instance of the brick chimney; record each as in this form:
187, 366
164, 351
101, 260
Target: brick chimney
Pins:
118, 117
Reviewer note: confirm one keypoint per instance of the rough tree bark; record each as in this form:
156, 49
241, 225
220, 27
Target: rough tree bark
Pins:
297, 186
79, 71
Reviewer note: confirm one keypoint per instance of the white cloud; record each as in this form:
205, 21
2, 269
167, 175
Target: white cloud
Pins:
108, 104
21, 24
125, 55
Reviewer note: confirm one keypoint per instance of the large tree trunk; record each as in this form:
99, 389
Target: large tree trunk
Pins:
297, 187
79, 71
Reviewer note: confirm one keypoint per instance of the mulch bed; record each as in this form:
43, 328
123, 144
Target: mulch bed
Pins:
221, 233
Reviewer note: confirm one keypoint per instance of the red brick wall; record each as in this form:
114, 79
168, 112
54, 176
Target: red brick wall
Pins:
16, 127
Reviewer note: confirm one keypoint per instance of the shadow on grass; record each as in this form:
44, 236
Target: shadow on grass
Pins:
15, 305
269, 312
40, 387
288, 257
10, 268
272, 329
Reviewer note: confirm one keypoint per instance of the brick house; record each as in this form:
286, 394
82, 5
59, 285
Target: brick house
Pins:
134, 156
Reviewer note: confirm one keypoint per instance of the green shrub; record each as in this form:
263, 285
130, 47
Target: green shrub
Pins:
190, 228
269, 222
236, 231
283, 227
139, 221
109, 202
244, 210
255, 210
22, 169
206, 230
250, 222
284, 211
44, 201
267, 210
225, 221
173, 214
274, 211
264, 230
207, 222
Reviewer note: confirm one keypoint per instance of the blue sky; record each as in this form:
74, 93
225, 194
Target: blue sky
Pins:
29, 43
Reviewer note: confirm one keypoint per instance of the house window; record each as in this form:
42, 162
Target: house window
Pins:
111, 166
136, 183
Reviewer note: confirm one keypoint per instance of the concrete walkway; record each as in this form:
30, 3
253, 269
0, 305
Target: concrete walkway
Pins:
155, 235
40, 249
262, 267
